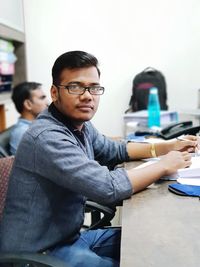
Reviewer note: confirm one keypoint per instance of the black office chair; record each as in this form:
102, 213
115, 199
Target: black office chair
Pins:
39, 259
30, 260
19, 259
101, 216
4, 142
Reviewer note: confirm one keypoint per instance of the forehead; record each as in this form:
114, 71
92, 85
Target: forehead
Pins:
37, 92
89, 74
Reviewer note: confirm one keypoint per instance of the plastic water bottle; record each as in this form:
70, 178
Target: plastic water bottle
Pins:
153, 108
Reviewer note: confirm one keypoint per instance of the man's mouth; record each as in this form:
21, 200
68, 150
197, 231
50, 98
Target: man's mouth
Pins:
85, 107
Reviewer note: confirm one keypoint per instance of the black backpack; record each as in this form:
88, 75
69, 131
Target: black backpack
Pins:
142, 82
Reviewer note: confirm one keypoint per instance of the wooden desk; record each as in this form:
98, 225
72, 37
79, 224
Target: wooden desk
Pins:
160, 229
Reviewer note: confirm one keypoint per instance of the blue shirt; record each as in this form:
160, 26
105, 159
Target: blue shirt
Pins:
56, 168
17, 132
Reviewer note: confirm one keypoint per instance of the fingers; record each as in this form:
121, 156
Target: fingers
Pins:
185, 154
190, 137
187, 158
190, 140
197, 140
175, 160
188, 145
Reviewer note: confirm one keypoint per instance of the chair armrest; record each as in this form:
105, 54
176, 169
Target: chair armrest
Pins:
96, 211
37, 259
4, 142
3, 152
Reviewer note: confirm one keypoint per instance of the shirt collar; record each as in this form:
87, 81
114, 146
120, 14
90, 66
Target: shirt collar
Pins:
64, 119
25, 121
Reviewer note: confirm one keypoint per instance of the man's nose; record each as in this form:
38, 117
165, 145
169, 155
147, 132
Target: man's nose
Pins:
86, 94
47, 102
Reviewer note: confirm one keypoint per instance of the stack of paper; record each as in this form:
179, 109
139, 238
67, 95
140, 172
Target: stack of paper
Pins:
190, 175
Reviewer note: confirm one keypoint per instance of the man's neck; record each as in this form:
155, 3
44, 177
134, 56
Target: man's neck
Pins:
27, 116
64, 119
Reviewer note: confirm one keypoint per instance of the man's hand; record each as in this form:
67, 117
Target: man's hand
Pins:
175, 160
189, 143
168, 164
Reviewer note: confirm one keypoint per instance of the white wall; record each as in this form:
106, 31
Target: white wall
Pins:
126, 36
11, 14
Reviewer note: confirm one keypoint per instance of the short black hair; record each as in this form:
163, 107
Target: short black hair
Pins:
73, 60
21, 92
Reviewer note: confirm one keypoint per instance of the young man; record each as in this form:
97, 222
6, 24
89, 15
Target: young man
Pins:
29, 100
63, 160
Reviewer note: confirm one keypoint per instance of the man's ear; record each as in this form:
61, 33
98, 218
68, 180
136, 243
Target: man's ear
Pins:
54, 93
27, 104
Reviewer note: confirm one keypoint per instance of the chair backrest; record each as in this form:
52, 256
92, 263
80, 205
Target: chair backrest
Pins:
5, 169
4, 142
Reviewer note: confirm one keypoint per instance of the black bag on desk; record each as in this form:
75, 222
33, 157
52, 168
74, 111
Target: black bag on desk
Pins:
142, 82
185, 190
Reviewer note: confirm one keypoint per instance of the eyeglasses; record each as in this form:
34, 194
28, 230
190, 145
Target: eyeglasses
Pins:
76, 89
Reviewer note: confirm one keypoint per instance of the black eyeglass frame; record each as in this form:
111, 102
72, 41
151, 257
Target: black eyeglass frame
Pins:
84, 88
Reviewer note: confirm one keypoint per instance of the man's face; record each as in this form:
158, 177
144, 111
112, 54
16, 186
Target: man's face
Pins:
78, 108
38, 101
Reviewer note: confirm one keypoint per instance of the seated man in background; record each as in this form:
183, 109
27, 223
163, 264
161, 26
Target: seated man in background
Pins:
29, 100
62, 160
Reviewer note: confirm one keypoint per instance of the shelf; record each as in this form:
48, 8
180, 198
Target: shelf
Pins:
11, 34
5, 97
18, 40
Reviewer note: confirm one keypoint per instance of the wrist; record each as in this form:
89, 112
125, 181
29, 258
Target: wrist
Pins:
172, 145
153, 150
164, 170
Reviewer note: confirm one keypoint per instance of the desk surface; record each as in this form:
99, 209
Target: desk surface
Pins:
160, 228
